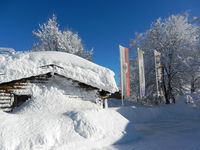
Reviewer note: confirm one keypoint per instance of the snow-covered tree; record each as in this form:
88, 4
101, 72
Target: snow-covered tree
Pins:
193, 62
176, 39
51, 38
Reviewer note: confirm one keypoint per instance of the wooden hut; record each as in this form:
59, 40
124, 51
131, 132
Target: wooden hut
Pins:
17, 81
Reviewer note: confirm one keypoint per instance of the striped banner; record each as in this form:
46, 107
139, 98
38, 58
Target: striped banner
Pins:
125, 71
158, 71
141, 72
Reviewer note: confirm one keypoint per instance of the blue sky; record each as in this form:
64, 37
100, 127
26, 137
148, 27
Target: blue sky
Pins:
102, 24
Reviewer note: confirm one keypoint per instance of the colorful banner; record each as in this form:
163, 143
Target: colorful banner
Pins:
141, 72
125, 71
158, 71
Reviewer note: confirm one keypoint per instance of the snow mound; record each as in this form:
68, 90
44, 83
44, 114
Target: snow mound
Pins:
51, 121
52, 100
44, 131
23, 65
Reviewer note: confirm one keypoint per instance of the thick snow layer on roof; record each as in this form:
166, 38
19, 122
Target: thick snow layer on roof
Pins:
6, 51
23, 65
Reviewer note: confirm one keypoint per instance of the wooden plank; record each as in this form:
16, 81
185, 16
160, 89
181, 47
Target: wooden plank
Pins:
5, 98
5, 94
6, 109
5, 102
5, 105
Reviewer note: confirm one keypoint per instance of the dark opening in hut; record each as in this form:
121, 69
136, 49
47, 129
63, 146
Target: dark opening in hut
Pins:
20, 99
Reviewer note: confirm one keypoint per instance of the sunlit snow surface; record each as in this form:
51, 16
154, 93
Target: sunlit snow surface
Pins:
53, 121
57, 123
175, 126
23, 65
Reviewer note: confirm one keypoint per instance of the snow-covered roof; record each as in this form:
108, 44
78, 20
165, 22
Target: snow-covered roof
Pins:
24, 65
6, 51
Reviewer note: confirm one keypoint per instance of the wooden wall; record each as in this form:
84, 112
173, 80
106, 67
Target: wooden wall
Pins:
9, 99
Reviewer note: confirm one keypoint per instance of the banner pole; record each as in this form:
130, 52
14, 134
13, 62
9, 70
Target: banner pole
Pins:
122, 83
156, 73
139, 73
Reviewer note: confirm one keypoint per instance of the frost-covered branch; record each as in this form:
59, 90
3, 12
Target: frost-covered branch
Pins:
51, 38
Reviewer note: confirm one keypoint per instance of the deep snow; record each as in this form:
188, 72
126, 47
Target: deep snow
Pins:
175, 126
52, 119
27, 64
53, 122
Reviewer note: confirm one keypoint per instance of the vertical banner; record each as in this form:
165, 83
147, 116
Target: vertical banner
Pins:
125, 71
158, 71
141, 72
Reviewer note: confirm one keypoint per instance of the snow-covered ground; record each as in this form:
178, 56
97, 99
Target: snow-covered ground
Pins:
52, 122
175, 126
53, 119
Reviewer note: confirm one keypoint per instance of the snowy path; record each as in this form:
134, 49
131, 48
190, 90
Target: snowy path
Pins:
169, 134
175, 132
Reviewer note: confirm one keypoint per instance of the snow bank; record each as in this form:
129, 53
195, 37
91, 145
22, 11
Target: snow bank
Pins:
194, 99
70, 129
142, 114
51, 120
22, 65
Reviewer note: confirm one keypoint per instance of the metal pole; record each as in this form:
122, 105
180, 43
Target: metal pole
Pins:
156, 74
121, 68
139, 73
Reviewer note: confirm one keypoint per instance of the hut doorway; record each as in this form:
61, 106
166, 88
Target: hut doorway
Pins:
20, 99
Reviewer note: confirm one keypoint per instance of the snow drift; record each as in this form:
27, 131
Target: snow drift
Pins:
51, 121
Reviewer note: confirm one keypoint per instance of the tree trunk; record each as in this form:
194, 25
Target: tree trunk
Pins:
170, 93
192, 88
166, 94
171, 96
